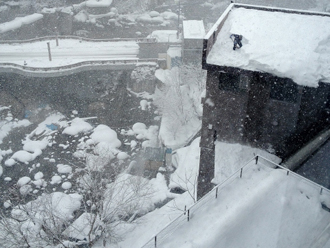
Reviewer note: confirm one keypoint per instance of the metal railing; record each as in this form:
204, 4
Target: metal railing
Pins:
62, 37
187, 215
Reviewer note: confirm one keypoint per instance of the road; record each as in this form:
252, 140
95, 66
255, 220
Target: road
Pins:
68, 52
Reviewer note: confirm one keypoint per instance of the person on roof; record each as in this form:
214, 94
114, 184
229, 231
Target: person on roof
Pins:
237, 41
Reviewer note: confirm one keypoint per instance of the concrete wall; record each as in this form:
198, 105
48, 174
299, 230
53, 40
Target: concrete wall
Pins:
252, 112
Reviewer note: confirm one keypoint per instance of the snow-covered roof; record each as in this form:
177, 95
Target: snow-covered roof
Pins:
282, 42
98, 3
193, 29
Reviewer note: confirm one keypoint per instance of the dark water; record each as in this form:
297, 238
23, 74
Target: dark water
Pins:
100, 94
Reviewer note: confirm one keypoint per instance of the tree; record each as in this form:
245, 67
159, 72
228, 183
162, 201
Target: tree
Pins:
109, 201
39, 223
179, 98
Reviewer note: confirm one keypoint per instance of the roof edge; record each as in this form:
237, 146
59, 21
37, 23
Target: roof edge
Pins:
260, 7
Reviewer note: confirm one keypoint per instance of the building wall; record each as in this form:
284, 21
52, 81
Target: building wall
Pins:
259, 109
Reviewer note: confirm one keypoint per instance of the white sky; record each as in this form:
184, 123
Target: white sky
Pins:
287, 45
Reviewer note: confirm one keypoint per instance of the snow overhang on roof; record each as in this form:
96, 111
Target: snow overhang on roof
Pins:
193, 29
286, 43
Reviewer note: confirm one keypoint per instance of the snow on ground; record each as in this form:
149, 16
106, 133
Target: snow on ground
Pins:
231, 157
186, 161
8, 124
138, 232
284, 44
264, 208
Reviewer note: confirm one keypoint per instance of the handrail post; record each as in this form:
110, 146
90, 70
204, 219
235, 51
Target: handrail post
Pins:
216, 193
156, 241
188, 217
257, 157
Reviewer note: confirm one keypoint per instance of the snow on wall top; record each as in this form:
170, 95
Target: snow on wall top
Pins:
19, 21
165, 36
98, 3
193, 29
290, 45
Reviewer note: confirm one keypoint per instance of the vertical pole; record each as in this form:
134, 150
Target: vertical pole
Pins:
155, 241
49, 54
56, 36
216, 192
257, 157
177, 33
188, 217
287, 173
240, 176
321, 191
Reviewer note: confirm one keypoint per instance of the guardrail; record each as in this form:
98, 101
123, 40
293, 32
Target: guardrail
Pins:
62, 37
76, 65
188, 214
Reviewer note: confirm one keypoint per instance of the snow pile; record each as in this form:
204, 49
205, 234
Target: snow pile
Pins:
56, 179
23, 181
144, 104
103, 133
148, 136
19, 21
284, 44
141, 132
33, 145
25, 157
186, 161
77, 125
64, 168
104, 143
66, 185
